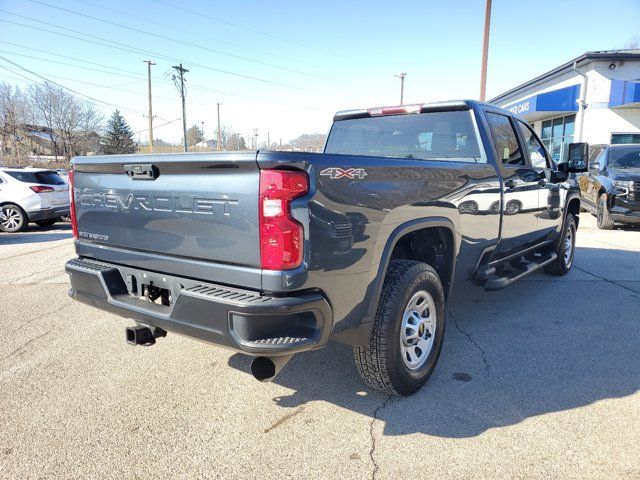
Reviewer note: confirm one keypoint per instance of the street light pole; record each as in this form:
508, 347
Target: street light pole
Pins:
485, 50
401, 77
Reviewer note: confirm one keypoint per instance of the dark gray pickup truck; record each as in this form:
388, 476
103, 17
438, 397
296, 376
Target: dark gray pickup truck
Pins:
273, 253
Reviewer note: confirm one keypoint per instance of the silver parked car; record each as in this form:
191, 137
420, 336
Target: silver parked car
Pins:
31, 195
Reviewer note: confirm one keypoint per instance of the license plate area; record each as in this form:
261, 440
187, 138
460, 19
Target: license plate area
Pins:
152, 288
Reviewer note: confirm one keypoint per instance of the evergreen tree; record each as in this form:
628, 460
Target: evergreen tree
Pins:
119, 137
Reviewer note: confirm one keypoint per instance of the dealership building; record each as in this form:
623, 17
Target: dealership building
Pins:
593, 98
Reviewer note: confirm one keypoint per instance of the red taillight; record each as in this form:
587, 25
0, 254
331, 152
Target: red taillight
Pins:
41, 189
72, 206
281, 237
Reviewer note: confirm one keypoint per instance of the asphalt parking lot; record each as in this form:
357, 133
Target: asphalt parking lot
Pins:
541, 380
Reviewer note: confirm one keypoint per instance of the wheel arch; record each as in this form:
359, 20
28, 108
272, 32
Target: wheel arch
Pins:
573, 208
362, 316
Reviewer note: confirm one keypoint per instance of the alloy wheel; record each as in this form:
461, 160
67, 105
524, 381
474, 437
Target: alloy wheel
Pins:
11, 219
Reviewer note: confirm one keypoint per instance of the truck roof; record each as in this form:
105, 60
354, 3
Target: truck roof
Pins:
405, 109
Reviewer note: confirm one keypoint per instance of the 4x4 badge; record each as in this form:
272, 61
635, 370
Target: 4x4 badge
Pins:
335, 173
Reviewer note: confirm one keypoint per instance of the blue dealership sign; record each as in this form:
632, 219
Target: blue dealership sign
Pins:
561, 100
623, 92
524, 106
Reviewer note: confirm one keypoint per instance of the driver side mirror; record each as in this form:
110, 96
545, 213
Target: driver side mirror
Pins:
578, 161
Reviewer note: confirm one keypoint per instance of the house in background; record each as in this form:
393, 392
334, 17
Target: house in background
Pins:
207, 144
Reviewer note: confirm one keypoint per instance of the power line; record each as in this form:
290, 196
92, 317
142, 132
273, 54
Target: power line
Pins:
59, 85
191, 32
111, 44
269, 35
138, 51
72, 65
182, 42
158, 126
132, 74
95, 84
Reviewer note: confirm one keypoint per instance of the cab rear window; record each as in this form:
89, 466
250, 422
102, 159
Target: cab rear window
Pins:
42, 178
431, 135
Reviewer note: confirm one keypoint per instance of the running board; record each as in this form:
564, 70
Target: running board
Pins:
497, 281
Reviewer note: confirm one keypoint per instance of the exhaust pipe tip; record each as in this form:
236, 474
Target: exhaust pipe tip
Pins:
264, 369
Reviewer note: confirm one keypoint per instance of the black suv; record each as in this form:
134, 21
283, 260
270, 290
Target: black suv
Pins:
611, 188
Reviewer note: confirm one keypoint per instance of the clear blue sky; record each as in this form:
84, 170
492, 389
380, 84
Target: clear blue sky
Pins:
309, 59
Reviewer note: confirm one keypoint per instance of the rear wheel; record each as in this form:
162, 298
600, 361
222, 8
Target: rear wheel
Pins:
13, 219
47, 223
408, 330
565, 249
605, 221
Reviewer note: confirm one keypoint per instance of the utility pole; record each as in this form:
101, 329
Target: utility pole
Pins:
219, 139
268, 139
149, 63
181, 71
401, 76
255, 139
485, 50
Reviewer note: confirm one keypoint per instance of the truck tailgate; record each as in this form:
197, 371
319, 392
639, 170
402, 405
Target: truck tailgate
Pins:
198, 206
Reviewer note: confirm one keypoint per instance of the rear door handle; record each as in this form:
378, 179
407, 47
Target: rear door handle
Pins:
511, 184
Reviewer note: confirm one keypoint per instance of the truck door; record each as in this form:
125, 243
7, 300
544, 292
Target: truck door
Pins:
521, 186
551, 196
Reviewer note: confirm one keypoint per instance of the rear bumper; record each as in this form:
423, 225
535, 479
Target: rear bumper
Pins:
242, 320
48, 213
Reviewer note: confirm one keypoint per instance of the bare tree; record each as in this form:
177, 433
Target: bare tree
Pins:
67, 120
44, 103
632, 44
13, 115
235, 141
225, 135
194, 135
88, 139
70, 123
309, 142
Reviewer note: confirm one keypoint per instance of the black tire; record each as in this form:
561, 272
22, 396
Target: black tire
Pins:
13, 219
380, 361
561, 265
47, 223
605, 221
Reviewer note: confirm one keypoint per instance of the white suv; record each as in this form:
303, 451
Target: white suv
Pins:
31, 195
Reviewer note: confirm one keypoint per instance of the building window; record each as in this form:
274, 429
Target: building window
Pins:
618, 138
557, 134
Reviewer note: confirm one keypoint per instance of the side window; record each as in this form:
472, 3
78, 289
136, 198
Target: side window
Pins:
537, 154
504, 139
602, 161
